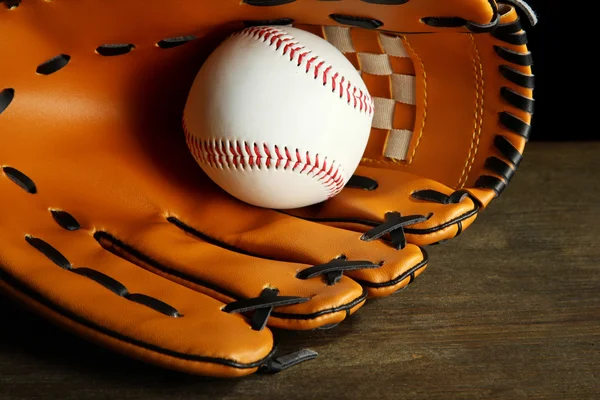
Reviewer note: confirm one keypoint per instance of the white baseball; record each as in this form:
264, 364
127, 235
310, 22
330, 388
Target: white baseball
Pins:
278, 117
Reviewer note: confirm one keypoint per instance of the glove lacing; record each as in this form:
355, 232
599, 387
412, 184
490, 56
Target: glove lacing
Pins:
450, 22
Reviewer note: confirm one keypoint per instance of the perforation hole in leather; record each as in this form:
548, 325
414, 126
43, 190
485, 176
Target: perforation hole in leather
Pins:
155, 304
169, 43
267, 3
22, 180
11, 4
102, 279
54, 64
111, 284
49, 251
270, 22
109, 50
358, 22
386, 2
65, 220
435, 196
362, 182
6, 97
444, 22
454, 22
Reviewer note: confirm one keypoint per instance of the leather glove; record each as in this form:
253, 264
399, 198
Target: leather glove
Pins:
111, 230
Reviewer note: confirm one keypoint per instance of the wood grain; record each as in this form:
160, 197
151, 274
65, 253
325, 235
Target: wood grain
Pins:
509, 310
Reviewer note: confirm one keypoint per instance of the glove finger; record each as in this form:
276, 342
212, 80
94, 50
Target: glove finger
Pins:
438, 212
232, 276
70, 279
274, 235
162, 247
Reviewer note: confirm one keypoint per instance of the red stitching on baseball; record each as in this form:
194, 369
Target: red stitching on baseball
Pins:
348, 92
279, 157
319, 65
261, 32
288, 158
234, 154
333, 81
362, 101
293, 52
258, 162
298, 158
301, 57
233, 150
287, 47
309, 63
268, 153
316, 166
210, 154
325, 75
306, 163
198, 147
275, 37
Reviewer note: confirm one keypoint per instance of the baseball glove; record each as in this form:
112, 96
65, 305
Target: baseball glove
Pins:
111, 230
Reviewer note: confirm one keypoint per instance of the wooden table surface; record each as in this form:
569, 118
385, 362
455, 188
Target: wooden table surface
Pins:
509, 310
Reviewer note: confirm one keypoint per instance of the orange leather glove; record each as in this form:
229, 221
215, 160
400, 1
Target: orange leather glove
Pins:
110, 229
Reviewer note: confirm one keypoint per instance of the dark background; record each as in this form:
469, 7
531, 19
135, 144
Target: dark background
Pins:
558, 74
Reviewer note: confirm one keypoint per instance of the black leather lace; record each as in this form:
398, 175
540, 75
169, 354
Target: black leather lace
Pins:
262, 306
451, 22
10, 4
393, 225
396, 226
334, 269
511, 33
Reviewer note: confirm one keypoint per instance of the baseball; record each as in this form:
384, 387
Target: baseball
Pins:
278, 117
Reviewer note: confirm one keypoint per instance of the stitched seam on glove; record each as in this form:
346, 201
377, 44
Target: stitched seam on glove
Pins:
478, 114
424, 121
